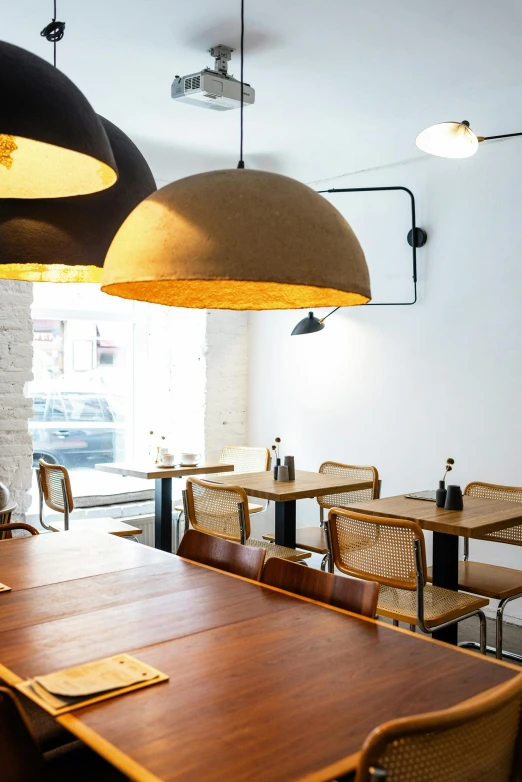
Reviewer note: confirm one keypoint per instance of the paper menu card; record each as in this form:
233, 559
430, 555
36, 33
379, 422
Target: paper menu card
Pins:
75, 687
4, 588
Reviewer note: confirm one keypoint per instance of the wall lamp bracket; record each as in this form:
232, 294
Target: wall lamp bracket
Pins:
417, 237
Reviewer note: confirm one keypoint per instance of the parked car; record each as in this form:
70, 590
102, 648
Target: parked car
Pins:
74, 428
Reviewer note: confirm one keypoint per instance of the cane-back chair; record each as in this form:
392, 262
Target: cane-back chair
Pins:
244, 458
313, 538
23, 761
222, 554
5, 517
392, 552
6, 529
222, 510
493, 581
350, 594
476, 741
55, 491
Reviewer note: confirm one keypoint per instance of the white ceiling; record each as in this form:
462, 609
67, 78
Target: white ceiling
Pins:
341, 85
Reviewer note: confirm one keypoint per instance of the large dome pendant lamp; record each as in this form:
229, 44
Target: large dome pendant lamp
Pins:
237, 239
453, 139
66, 239
52, 143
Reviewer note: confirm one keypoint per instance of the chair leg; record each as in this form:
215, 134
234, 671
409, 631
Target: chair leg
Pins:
176, 534
482, 618
325, 561
413, 628
395, 622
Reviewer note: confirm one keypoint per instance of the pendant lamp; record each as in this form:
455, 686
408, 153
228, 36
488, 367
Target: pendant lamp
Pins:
453, 139
66, 239
240, 240
52, 143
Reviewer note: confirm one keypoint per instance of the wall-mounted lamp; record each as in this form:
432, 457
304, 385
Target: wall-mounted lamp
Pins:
453, 139
417, 237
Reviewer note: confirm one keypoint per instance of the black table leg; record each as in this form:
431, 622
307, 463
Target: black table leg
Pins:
285, 515
163, 514
446, 574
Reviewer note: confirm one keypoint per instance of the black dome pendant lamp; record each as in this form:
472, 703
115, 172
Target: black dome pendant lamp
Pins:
66, 239
52, 143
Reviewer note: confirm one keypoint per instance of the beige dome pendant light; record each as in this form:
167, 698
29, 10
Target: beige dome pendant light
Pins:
453, 139
237, 239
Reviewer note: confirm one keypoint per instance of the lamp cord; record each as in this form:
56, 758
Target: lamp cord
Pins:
241, 163
54, 32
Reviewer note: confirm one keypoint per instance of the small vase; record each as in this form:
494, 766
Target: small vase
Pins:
454, 499
276, 468
440, 495
4, 495
289, 462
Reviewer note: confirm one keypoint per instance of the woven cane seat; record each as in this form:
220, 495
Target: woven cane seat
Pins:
307, 538
440, 605
107, 525
281, 552
491, 581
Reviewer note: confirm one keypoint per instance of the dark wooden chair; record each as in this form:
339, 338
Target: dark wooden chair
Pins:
22, 760
351, 594
6, 529
475, 740
222, 554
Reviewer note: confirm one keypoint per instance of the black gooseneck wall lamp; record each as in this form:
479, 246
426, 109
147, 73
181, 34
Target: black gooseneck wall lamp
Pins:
417, 237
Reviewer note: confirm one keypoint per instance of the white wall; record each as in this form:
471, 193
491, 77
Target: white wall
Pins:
406, 387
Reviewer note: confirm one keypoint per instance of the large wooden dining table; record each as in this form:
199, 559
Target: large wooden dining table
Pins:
263, 685
162, 477
479, 517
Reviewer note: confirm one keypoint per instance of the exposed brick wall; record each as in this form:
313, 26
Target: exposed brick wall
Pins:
226, 391
16, 357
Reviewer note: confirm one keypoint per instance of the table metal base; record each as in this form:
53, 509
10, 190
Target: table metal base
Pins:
285, 521
163, 514
446, 574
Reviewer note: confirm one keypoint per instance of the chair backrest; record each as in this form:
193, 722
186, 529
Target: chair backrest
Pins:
54, 480
245, 458
214, 508
20, 758
351, 594
493, 491
226, 555
349, 497
6, 513
377, 548
478, 741
17, 525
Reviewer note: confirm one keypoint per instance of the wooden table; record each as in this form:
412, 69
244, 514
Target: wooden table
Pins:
163, 490
478, 517
263, 685
285, 493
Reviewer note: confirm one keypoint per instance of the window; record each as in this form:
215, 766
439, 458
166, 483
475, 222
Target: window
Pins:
83, 389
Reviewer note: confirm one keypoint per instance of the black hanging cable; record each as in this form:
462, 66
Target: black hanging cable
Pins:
241, 163
54, 32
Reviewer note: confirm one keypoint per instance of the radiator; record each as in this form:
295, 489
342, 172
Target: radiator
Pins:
146, 524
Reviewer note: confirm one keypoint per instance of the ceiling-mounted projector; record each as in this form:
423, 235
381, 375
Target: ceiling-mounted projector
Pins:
213, 89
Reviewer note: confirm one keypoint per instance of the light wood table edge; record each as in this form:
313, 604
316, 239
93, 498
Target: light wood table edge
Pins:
179, 471
115, 756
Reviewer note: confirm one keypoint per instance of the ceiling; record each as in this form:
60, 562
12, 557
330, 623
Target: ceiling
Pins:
341, 85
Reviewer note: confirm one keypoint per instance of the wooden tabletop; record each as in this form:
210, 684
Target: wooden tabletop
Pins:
306, 484
151, 471
478, 517
263, 685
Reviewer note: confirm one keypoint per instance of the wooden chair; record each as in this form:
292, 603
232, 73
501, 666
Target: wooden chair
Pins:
392, 552
477, 741
493, 581
245, 458
245, 561
313, 538
55, 491
5, 517
22, 761
17, 525
351, 594
222, 510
